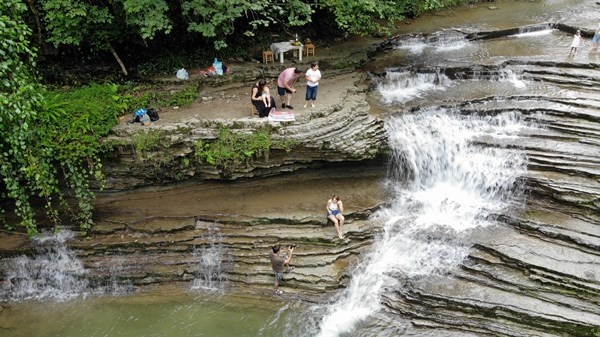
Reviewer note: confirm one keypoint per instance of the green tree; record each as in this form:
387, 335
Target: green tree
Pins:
363, 17
219, 18
50, 145
100, 25
105, 25
25, 168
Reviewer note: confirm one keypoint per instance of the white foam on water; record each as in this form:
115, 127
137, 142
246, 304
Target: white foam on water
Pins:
401, 87
211, 258
443, 186
54, 272
537, 33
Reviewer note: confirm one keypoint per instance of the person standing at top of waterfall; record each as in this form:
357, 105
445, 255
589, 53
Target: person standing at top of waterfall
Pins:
280, 264
335, 207
575, 43
596, 38
312, 76
285, 85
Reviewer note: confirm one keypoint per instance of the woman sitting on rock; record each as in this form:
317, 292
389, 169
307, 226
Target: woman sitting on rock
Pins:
335, 207
257, 99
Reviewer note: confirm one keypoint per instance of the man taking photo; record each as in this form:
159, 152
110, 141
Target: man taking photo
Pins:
280, 264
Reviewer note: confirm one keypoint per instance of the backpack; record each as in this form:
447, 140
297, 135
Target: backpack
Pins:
153, 114
138, 114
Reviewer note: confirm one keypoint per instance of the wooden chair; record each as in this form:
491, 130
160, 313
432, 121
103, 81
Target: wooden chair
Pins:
309, 49
268, 56
253, 112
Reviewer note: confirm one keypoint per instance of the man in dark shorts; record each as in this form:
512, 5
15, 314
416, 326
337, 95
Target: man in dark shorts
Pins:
280, 265
285, 85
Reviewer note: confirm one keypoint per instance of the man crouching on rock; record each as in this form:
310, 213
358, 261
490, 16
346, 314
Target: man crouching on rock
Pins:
280, 264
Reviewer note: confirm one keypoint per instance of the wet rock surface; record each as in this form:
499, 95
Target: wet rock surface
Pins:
537, 273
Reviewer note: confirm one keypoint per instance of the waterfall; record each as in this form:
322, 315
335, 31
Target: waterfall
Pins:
54, 272
511, 77
210, 274
414, 44
444, 185
448, 42
405, 85
535, 30
502, 75
441, 42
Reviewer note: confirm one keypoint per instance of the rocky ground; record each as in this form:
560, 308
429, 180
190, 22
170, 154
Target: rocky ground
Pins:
231, 100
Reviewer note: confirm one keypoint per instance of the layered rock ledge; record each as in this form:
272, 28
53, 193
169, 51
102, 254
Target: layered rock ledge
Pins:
339, 129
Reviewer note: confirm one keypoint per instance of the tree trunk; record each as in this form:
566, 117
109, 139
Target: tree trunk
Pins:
116, 56
36, 14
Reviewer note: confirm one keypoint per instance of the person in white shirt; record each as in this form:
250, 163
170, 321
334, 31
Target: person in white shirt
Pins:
575, 43
313, 75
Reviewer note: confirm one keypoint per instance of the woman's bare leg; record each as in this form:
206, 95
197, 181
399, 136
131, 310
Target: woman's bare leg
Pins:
341, 219
336, 223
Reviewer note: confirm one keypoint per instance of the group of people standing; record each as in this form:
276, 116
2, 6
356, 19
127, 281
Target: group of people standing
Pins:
265, 103
281, 259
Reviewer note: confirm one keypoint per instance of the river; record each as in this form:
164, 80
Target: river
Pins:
446, 262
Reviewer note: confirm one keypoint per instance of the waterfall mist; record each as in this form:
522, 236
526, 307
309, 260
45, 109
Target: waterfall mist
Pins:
211, 262
444, 183
54, 272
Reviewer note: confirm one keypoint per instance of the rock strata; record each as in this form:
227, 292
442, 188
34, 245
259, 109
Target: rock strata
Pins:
342, 131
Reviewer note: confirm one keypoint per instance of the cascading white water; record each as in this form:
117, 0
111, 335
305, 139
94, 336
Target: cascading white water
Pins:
54, 272
535, 30
210, 275
404, 86
444, 42
502, 75
443, 186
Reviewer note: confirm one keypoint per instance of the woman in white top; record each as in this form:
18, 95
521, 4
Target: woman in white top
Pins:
335, 207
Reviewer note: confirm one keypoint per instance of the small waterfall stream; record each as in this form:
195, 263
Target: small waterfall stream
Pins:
405, 85
54, 272
444, 186
211, 261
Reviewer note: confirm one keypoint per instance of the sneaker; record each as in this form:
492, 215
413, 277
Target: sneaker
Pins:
283, 105
278, 292
312, 105
289, 107
304, 106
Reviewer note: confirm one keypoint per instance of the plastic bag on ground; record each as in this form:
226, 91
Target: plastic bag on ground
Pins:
182, 74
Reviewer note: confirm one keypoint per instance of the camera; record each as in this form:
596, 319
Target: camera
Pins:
293, 245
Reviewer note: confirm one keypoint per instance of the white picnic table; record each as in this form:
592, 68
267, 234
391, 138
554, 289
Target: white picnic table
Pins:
281, 47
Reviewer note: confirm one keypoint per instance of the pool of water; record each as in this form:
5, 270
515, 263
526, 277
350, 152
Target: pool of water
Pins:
165, 312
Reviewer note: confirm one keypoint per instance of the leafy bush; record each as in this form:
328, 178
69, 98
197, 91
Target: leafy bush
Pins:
72, 128
143, 142
233, 150
47, 138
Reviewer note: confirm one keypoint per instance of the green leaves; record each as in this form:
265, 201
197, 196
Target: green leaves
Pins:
233, 149
42, 139
20, 160
218, 19
150, 16
366, 16
74, 22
